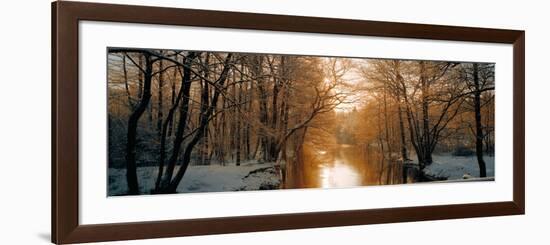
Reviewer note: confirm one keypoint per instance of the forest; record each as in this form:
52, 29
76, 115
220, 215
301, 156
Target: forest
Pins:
199, 121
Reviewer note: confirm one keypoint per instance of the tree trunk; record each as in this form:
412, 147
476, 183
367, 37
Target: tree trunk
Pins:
204, 145
173, 99
140, 76
285, 107
204, 149
233, 122
238, 118
263, 116
274, 110
182, 123
206, 112
223, 136
426, 139
380, 144
159, 104
479, 126
238, 128
248, 108
404, 153
126, 86
248, 135
413, 130
131, 168
166, 128
386, 123
205, 160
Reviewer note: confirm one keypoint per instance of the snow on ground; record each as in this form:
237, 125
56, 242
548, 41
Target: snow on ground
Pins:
458, 167
204, 178
261, 179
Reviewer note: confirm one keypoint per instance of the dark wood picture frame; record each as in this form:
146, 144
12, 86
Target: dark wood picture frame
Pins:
65, 211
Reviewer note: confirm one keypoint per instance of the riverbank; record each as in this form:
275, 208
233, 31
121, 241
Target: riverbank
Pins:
449, 167
204, 178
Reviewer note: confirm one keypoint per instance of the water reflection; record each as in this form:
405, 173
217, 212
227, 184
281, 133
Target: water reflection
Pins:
338, 175
337, 166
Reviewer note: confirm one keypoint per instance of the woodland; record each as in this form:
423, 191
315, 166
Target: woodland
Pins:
289, 120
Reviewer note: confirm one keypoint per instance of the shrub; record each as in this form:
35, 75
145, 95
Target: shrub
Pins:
463, 151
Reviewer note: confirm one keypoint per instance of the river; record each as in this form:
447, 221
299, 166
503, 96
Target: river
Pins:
338, 166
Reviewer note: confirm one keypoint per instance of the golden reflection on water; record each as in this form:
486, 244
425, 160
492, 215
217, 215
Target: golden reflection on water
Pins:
337, 174
336, 166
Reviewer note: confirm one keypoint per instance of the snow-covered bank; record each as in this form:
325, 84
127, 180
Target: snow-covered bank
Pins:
206, 178
458, 167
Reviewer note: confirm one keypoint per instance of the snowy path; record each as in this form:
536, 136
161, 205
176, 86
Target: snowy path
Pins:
207, 178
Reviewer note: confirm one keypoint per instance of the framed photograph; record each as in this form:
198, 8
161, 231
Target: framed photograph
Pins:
175, 122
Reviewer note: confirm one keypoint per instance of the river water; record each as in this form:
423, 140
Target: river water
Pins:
338, 166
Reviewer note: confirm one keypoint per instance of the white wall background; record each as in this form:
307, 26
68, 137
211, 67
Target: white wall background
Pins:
25, 121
